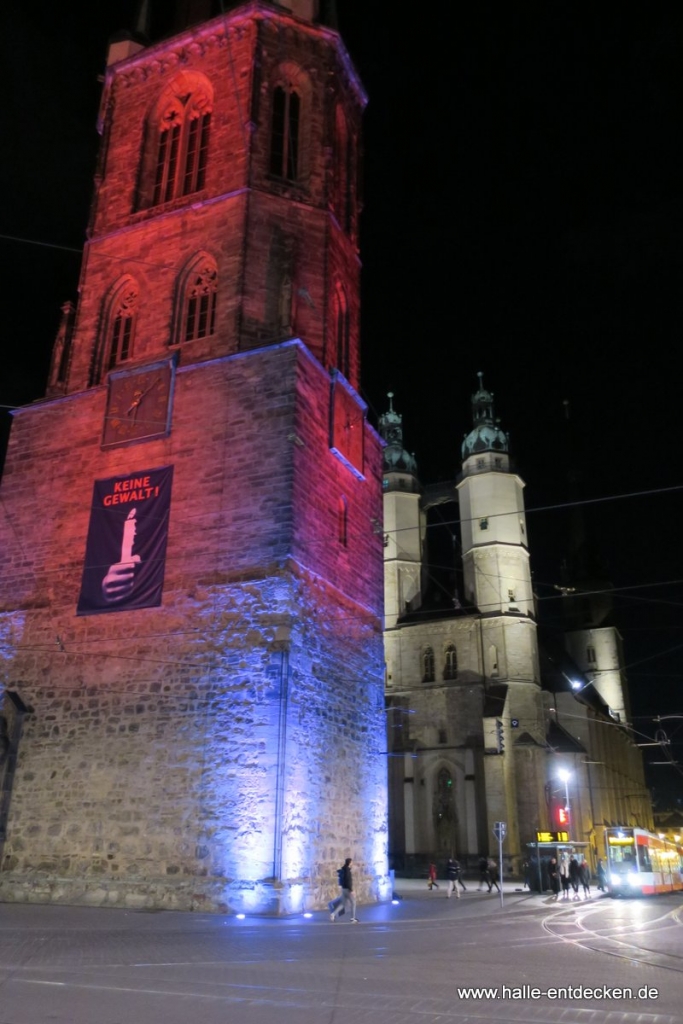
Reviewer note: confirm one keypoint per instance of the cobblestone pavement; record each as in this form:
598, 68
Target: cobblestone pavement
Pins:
404, 964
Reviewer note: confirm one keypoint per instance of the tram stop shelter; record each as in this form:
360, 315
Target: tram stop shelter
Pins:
547, 846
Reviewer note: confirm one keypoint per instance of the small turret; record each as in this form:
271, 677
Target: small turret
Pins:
486, 434
400, 467
404, 522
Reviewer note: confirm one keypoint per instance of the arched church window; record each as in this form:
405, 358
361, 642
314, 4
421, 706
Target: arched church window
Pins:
341, 328
284, 138
182, 153
450, 668
444, 809
198, 300
428, 665
120, 325
177, 148
290, 99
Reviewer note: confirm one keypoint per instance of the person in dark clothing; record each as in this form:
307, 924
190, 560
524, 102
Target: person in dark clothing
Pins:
602, 877
348, 896
483, 873
585, 878
494, 877
574, 875
454, 872
554, 877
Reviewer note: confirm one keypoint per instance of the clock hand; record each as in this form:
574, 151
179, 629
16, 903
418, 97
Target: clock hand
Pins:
139, 395
147, 390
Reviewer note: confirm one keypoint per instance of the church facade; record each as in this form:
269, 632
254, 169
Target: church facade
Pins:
191, 660
486, 723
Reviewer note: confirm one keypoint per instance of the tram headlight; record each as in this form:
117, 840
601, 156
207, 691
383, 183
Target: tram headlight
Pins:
615, 880
632, 878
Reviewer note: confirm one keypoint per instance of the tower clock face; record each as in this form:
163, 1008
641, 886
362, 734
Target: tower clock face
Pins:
139, 404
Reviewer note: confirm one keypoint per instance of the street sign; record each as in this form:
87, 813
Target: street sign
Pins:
499, 830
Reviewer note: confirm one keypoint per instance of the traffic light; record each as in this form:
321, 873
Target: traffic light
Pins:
500, 736
563, 817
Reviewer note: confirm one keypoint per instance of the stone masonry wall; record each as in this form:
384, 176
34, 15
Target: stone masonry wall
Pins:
224, 750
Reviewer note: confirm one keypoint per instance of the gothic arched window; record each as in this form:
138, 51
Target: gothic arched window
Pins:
450, 668
428, 665
341, 330
284, 139
177, 147
198, 300
120, 317
444, 803
290, 99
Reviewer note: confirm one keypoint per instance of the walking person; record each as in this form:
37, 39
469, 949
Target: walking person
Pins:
564, 877
453, 871
431, 878
585, 878
348, 896
494, 877
574, 876
483, 873
554, 878
602, 876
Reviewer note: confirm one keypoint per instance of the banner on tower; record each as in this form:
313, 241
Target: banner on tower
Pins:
125, 552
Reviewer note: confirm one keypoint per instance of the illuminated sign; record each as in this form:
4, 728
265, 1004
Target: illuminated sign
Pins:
562, 816
620, 840
552, 837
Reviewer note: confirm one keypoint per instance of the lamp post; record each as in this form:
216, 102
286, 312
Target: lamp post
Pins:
565, 775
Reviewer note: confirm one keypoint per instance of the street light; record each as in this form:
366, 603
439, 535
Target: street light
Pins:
565, 775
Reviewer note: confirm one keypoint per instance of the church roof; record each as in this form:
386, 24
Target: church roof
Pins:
395, 458
486, 434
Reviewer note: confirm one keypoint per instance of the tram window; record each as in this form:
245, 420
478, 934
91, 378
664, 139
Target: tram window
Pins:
644, 859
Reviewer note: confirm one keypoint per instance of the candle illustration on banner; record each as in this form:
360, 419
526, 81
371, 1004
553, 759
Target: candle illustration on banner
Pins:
129, 530
120, 579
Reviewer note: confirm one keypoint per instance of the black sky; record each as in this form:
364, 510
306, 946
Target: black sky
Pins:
523, 217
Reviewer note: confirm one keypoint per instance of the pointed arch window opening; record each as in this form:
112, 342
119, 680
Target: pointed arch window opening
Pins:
450, 669
200, 313
445, 817
342, 332
121, 328
285, 133
182, 150
428, 666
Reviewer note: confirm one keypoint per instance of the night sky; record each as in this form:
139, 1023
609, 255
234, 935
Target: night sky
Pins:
523, 217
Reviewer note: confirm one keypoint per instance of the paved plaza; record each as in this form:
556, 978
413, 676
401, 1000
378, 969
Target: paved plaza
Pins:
404, 964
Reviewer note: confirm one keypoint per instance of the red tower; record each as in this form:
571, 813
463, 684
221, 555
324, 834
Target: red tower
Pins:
193, 577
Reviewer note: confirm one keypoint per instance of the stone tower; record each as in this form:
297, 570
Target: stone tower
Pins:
497, 581
191, 661
404, 522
